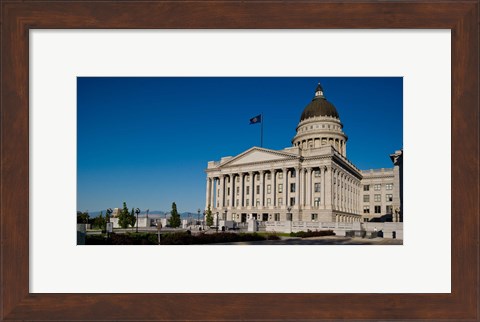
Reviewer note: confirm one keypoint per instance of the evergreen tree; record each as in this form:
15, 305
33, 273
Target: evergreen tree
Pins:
174, 220
132, 219
82, 217
209, 217
124, 217
100, 222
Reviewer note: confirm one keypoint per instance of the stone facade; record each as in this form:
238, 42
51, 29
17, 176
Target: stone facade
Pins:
377, 194
311, 181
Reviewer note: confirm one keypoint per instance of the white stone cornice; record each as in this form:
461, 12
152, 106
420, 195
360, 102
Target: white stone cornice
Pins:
379, 176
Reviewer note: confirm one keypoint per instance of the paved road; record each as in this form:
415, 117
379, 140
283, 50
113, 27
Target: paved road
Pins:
323, 241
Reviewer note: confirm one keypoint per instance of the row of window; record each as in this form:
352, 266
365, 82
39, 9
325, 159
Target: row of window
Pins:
378, 198
276, 216
378, 187
316, 202
305, 128
378, 209
317, 188
269, 176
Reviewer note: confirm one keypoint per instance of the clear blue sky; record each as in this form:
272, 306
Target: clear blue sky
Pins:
147, 140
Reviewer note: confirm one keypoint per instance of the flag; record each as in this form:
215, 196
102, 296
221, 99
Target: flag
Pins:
256, 119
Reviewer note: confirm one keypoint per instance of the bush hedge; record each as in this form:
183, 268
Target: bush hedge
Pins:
123, 239
177, 238
183, 238
309, 233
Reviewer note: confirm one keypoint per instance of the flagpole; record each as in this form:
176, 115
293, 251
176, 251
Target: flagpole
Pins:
261, 131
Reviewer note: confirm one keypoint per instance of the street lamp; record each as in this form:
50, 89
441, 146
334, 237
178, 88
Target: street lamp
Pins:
148, 223
225, 219
109, 212
216, 226
137, 211
289, 214
198, 216
203, 221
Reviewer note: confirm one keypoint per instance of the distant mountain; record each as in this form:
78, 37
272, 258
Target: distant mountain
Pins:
153, 213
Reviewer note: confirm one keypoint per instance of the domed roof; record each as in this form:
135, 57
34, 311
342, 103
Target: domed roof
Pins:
319, 106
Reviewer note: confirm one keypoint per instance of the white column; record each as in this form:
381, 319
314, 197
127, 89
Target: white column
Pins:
322, 186
274, 187
334, 188
252, 192
357, 199
285, 182
242, 177
262, 189
337, 188
328, 187
354, 196
213, 194
342, 192
297, 187
304, 187
347, 194
221, 186
207, 194
300, 179
309, 187
350, 193
232, 190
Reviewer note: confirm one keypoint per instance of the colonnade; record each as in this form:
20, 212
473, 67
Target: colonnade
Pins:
296, 188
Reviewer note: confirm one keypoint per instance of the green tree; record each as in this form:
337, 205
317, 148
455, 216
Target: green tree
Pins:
209, 216
100, 222
174, 220
124, 217
82, 217
132, 219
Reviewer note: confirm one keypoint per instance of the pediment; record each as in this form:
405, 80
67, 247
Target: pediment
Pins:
256, 155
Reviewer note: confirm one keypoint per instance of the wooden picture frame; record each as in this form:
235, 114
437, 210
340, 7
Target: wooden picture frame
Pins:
18, 17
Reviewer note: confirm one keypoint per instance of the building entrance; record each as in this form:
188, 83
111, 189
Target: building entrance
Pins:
265, 217
254, 216
244, 217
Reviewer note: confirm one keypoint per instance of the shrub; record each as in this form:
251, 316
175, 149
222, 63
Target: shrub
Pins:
95, 240
183, 238
123, 239
309, 233
176, 238
142, 238
273, 237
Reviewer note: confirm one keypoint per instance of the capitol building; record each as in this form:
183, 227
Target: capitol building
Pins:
310, 181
